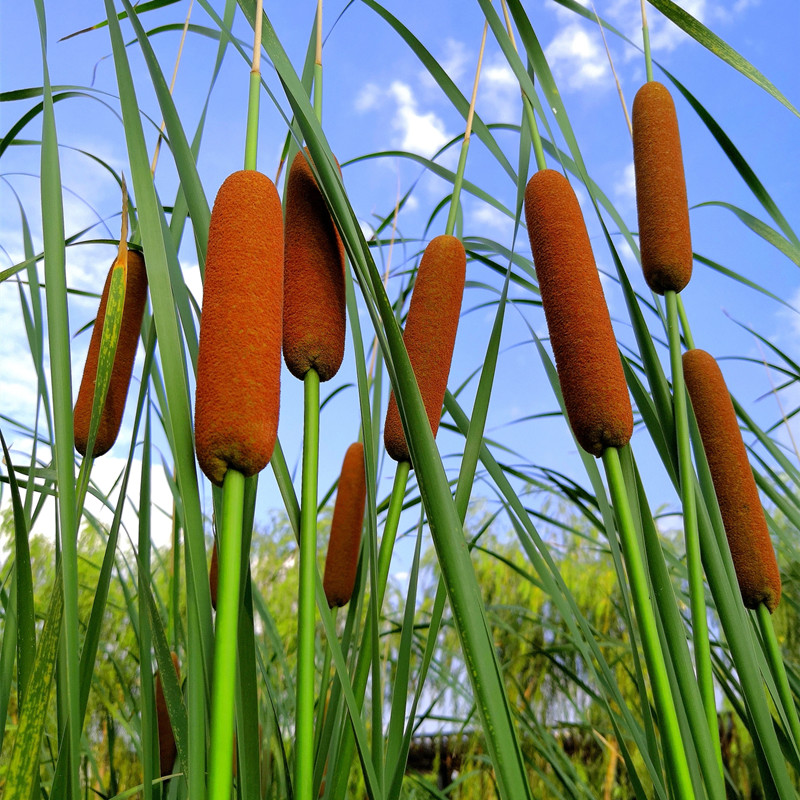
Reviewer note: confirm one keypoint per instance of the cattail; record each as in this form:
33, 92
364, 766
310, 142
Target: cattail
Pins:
213, 576
664, 236
587, 358
745, 526
314, 296
345, 538
167, 750
430, 334
111, 417
238, 364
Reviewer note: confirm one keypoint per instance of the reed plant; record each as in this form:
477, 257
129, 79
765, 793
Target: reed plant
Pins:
498, 616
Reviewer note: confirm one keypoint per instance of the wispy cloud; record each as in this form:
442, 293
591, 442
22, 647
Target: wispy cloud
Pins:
577, 58
419, 132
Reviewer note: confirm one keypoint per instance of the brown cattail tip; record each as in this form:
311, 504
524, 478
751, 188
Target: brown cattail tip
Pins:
167, 749
111, 418
239, 360
345, 539
746, 528
587, 358
213, 576
313, 293
430, 334
664, 236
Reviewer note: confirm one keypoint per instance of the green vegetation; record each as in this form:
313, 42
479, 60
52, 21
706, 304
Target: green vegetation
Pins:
515, 631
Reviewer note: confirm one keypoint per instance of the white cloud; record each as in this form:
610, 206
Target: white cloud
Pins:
577, 58
419, 133
455, 59
368, 97
625, 186
489, 217
498, 93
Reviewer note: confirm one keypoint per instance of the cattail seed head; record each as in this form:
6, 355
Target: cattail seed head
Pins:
664, 236
167, 749
739, 503
238, 363
430, 334
111, 417
314, 296
587, 358
345, 539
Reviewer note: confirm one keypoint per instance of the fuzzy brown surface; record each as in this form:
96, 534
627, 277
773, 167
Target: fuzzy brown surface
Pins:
587, 358
314, 299
239, 360
664, 236
213, 576
737, 495
345, 539
167, 749
430, 334
133, 310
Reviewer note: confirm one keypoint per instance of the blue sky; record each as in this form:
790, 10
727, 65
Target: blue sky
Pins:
378, 97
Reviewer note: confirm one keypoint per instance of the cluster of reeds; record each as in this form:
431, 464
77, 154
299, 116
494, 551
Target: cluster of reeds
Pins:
270, 705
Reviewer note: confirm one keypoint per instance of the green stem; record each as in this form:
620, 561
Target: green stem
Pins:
678, 766
462, 159
251, 137
304, 741
773, 653
648, 59
318, 64
225, 650
457, 183
687, 331
365, 651
536, 139
697, 597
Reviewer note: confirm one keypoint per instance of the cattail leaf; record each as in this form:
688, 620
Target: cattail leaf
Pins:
23, 579
737, 159
438, 170
170, 685
581, 633
191, 186
439, 74
721, 49
112, 324
23, 769
769, 234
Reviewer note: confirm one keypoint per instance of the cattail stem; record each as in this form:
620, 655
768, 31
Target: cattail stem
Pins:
251, 140
678, 767
686, 329
697, 598
224, 688
462, 159
340, 776
304, 740
775, 659
527, 106
648, 59
318, 64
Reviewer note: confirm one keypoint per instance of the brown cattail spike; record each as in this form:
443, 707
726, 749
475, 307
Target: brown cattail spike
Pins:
111, 417
664, 236
746, 528
239, 361
430, 334
587, 358
167, 748
345, 538
314, 296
